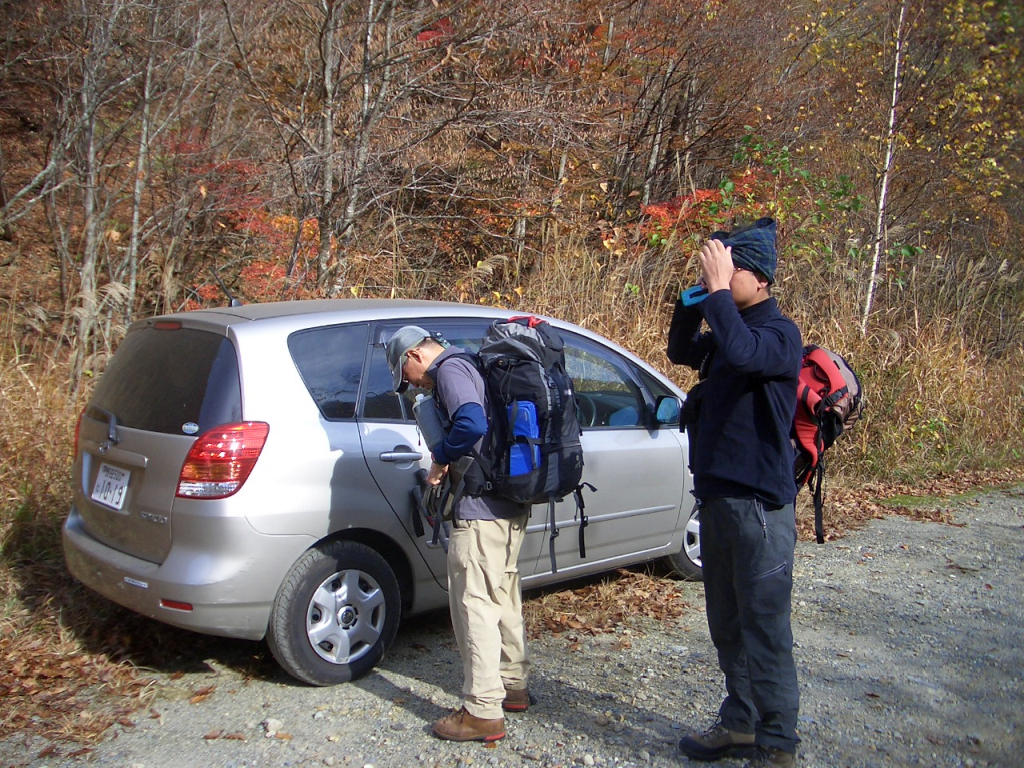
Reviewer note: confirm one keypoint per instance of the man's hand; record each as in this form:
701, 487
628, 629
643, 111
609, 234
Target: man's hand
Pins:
436, 474
716, 265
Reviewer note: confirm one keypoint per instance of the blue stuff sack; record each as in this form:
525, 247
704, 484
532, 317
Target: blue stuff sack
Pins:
524, 453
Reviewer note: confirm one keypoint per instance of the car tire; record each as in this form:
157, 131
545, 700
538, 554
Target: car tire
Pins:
335, 615
686, 563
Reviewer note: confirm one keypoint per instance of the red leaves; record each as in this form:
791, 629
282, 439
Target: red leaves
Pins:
438, 32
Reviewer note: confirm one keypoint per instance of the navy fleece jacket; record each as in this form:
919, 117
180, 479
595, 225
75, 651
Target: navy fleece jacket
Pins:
742, 445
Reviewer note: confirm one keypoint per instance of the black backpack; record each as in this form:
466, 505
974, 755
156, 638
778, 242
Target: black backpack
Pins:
532, 453
829, 402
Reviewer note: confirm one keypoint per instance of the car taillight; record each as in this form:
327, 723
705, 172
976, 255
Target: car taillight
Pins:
221, 459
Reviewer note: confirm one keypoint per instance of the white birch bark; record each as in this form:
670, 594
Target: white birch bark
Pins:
890, 144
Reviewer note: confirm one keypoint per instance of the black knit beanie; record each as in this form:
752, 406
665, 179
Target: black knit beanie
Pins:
753, 247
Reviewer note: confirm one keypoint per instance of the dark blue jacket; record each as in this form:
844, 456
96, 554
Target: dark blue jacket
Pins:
742, 445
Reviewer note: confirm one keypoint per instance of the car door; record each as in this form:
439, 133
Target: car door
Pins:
637, 471
393, 445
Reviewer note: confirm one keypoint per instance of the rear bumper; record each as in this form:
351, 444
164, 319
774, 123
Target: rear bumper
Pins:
231, 586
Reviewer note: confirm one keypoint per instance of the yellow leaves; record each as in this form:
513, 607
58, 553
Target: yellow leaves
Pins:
611, 242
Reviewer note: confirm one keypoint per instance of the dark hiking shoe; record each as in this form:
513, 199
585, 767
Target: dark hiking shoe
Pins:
462, 726
516, 700
718, 741
768, 757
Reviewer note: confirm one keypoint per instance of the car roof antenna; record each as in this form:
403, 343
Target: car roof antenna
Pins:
232, 301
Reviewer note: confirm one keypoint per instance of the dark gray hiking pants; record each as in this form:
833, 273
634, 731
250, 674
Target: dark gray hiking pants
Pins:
747, 556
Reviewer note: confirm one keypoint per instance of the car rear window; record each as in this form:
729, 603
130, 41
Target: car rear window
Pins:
176, 381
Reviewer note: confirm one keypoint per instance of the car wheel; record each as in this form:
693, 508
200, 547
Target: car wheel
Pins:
686, 563
335, 615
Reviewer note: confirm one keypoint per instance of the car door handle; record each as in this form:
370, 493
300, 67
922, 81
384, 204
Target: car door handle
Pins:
400, 456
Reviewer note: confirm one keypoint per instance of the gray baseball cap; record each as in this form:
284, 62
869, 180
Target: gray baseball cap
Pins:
398, 347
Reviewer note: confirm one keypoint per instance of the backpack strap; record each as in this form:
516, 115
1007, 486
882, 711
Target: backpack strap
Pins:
816, 486
553, 523
581, 511
478, 477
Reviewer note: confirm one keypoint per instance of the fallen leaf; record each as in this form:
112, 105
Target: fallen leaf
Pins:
202, 694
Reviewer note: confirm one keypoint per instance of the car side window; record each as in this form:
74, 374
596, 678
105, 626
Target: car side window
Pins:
330, 362
380, 402
606, 395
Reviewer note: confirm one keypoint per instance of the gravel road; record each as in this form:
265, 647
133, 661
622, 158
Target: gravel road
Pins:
910, 652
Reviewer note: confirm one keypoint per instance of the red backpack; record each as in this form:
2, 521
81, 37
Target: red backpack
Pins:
828, 403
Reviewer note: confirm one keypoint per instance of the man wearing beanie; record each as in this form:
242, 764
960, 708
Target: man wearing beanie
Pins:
738, 418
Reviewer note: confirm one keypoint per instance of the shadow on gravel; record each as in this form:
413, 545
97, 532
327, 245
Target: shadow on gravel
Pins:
427, 655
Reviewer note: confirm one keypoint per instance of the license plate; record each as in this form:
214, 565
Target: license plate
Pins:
111, 486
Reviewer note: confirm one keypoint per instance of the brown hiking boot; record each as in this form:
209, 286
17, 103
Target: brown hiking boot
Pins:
516, 700
462, 726
769, 757
717, 741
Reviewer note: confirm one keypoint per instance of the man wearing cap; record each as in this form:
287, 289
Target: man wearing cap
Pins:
484, 592
742, 465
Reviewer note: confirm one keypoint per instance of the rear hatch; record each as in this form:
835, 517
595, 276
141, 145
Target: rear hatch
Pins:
165, 384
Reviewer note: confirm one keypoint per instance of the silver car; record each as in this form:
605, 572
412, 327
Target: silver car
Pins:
248, 472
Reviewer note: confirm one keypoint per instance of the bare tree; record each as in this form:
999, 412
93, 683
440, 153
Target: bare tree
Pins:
371, 82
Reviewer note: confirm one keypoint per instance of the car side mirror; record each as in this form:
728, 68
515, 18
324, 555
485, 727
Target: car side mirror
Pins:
666, 411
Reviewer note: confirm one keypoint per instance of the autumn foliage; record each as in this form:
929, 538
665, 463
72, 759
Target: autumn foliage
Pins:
559, 157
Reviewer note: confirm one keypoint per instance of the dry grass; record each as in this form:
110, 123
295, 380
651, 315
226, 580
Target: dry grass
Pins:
55, 680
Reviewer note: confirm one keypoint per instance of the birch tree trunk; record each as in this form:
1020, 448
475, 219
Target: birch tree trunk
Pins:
890, 145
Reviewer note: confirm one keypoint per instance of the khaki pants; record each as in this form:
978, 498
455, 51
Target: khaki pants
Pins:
486, 603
